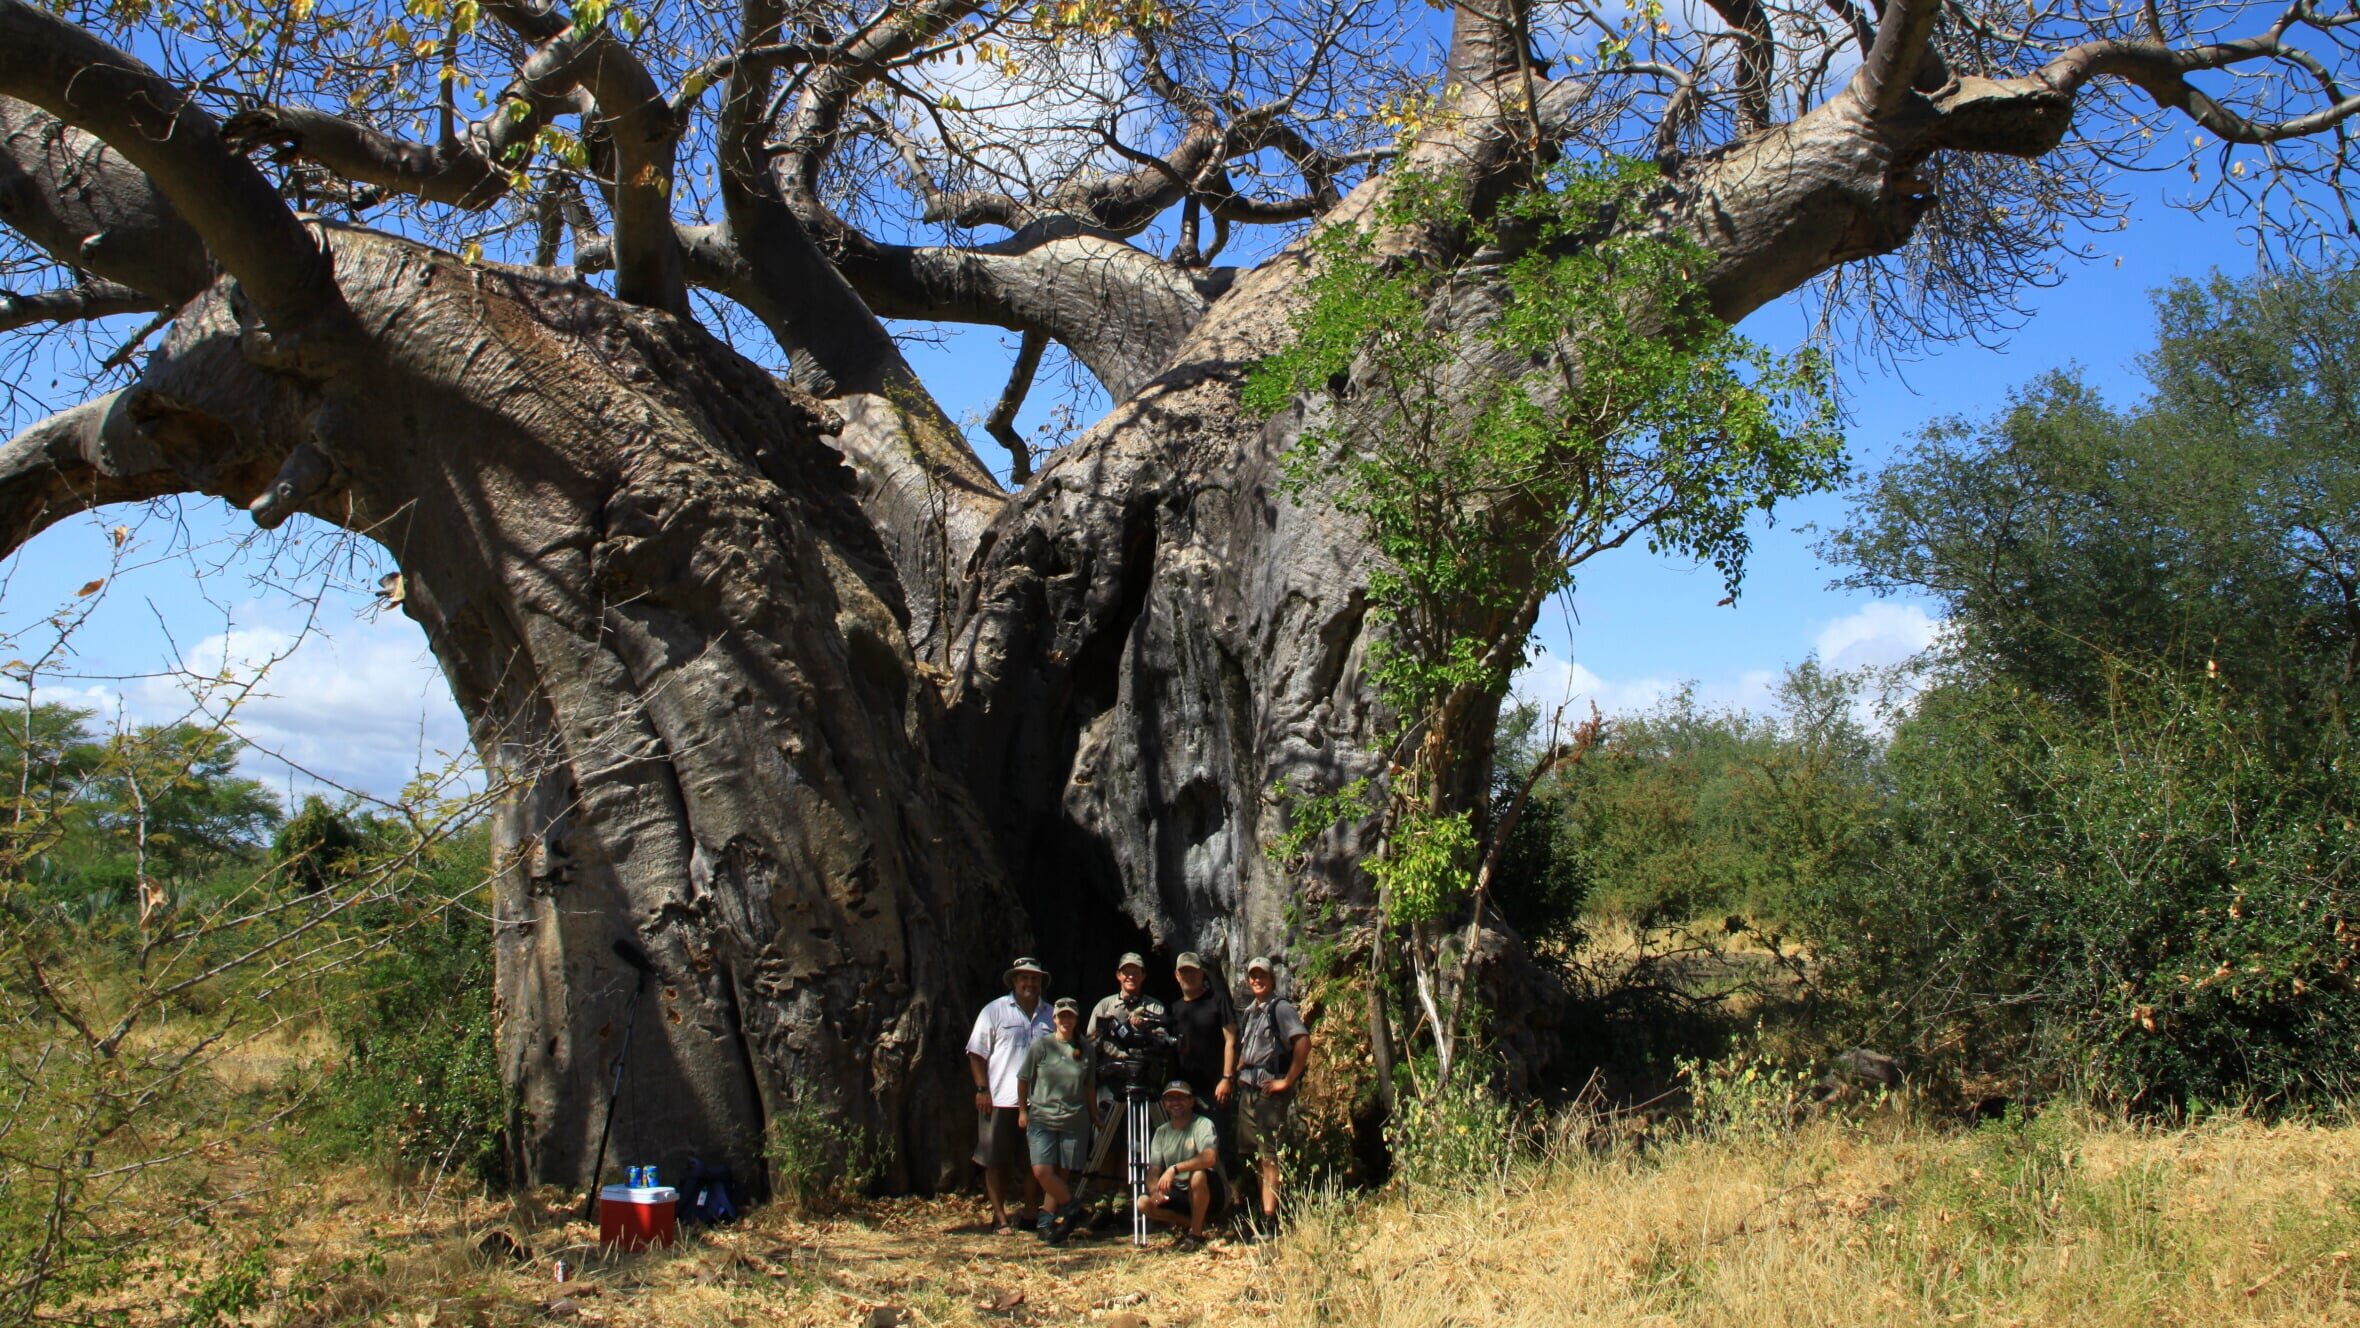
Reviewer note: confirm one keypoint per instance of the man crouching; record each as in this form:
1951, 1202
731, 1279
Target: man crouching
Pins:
1184, 1157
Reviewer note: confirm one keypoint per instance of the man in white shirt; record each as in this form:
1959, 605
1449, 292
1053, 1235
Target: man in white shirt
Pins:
995, 1055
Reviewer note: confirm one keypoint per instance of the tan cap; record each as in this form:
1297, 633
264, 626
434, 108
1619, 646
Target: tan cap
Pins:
1130, 959
1188, 959
1260, 964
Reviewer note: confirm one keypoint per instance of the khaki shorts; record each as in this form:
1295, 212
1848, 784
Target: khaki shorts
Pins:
1000, 1144
1264, 1120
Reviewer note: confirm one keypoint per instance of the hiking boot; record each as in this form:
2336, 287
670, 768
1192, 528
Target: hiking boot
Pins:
1045, 1226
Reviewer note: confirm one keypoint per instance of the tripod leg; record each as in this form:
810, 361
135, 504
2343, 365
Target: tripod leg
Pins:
1099, 1148
1142, 1166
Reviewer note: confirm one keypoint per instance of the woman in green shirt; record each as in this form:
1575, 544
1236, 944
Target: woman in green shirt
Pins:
1057, 1096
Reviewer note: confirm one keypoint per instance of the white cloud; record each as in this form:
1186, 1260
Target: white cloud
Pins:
363, 707
1549, 680
1877, 634
1036, 120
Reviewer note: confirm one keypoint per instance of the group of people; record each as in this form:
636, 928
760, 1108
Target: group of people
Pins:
1055, 1096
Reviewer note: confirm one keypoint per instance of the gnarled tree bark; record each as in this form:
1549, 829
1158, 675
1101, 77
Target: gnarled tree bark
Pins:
789, 692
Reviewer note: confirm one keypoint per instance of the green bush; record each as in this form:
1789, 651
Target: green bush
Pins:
2142, 905
1744, 1095
819, 1161
419, 1084
1454, 1135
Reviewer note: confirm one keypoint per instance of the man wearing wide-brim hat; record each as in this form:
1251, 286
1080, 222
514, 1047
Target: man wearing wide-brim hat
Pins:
995, 1056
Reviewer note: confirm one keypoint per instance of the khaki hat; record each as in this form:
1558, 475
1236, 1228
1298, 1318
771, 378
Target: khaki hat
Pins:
1188, 959
1129, 959
1260, 964
1181, 1087
1066, 1005
1026, 964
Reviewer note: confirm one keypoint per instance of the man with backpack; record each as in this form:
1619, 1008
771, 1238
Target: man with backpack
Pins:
1274, 1048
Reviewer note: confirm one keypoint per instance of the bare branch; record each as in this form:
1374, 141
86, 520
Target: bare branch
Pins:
97, 299
70, 463
634, 116
88, 208
1890, 67
1002, 422
160, 130
818, 117
1757, 56
2162, 73
572, 71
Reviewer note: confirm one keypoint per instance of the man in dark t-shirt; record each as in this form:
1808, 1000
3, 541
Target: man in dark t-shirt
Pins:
1206, 1022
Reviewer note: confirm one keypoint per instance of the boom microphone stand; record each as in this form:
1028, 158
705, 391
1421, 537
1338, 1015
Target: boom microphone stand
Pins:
636, 958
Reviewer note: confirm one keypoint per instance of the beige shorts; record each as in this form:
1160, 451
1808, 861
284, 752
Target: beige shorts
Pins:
1264, 1120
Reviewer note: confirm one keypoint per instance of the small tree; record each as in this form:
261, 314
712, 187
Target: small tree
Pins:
1666, 426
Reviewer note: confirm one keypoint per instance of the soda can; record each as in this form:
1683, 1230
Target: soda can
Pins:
564, 1271
631, 1176
647, 1176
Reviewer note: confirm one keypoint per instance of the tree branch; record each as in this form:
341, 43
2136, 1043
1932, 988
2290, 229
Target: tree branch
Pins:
73, 461
160, 130
97, 299
2162, 73
818, 117
1002, 422
80, 202
570, 72
638, 121
1757, 56
1889, 68
1487, 42
467, 172
1120, 310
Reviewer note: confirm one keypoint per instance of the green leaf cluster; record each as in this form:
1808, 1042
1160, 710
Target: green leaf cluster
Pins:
1426, 867
1627, 411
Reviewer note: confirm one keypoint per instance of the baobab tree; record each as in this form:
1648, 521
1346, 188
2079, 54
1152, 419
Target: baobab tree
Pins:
794, 694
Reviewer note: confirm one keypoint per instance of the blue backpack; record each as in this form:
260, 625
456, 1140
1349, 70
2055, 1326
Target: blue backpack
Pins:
704, 1195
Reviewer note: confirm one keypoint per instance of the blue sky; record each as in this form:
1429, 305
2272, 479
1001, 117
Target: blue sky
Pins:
351, 696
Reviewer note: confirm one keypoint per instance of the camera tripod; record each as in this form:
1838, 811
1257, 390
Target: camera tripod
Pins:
1137, 1130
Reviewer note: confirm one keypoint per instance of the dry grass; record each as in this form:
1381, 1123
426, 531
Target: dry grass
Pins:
2065, 1221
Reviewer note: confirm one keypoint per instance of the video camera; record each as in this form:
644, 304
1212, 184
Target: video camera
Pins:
1141, 1052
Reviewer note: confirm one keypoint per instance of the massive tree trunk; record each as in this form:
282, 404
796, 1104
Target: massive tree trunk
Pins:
676, 638
785, 692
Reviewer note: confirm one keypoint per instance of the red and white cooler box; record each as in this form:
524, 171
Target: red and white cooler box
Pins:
637, 1218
